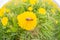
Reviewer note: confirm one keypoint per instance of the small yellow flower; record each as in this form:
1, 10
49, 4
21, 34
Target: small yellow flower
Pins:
42, 11
2, 10
27, 20
4, 21
30, 8
24, 0
33, 2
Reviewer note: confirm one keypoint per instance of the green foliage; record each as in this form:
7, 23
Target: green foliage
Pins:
47, 28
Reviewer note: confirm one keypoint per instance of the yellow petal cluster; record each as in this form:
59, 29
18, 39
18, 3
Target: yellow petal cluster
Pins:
30, 8
33, 2
4, 21
2, 10
42, 11
27, 20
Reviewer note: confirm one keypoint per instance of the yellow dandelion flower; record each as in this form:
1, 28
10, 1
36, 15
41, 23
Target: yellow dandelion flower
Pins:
24, 0
2, 12
42, 11
4, 21
33, 2
30, 8
27, 20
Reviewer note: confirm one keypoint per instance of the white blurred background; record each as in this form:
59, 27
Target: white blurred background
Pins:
58, 2
2, 2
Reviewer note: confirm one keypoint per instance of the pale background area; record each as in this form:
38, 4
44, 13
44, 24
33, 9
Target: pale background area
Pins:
58, 2
2, 2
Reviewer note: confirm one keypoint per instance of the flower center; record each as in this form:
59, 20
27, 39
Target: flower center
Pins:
29, 19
